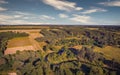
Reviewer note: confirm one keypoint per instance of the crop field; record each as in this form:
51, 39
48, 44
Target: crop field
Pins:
21, 41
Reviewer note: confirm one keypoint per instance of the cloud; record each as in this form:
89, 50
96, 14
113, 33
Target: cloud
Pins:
18, 16
63, 16
82, 19
62, 5
11, 20
3, 2
111, 3
5, 17
44, 17
22, 18
3, 9
21, 22
93, 10
22, 13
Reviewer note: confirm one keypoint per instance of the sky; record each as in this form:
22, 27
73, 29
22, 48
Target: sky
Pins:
64, 12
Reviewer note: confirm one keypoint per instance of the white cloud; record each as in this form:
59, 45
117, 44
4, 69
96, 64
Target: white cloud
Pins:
93, 10
82, 19
22, 13
3, 2
10, 20
111, 3
62, 5
5, 17
44, 17
2, 9
63, 16
21, 22
22, 18
17, 16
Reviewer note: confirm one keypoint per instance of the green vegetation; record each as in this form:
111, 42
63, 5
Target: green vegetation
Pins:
97, 52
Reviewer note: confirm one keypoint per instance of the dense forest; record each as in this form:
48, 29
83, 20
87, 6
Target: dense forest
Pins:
60, 56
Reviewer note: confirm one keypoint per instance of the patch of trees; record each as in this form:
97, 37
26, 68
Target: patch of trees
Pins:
5, 36
74, 42
98, 38
97, 62
88, 54
49, 47
62, 62
104, 38
63, 54
51, 36
6, 63
74, 31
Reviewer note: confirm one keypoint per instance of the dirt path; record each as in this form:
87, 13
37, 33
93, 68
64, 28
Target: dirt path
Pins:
35, 44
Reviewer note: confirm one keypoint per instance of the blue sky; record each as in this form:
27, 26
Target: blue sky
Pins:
80, 12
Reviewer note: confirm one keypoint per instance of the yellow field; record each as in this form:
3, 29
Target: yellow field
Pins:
110, 52
17, 42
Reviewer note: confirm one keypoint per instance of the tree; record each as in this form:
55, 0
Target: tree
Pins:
96, 71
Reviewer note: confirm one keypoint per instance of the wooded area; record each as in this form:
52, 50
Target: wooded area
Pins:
59, 56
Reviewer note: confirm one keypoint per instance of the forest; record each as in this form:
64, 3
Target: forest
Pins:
68, 50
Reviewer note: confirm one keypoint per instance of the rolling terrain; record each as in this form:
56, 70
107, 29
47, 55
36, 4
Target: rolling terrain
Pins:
60, 50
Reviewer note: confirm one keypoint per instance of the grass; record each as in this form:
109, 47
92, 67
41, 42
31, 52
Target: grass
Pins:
110, 52
16, 42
